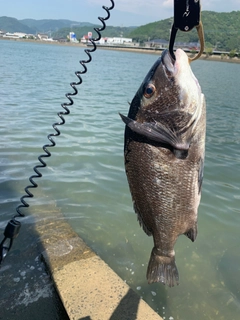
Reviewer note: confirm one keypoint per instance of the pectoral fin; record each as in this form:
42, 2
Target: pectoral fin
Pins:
156, 132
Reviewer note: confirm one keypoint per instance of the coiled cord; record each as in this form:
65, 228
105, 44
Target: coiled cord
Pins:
12, 229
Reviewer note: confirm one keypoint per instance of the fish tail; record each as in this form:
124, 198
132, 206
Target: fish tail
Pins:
162, 269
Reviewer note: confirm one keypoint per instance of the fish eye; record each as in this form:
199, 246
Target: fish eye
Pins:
149, 90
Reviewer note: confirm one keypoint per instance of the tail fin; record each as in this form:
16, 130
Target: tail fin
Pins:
162, 269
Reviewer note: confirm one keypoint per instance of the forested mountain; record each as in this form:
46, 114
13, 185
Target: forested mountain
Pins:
222, 30
47, 25
13, 25
81, 31
9, 24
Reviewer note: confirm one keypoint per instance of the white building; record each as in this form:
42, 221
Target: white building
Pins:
15, 35
20, 34
119, 40
42, 36
102, 41
72, 37
115, 40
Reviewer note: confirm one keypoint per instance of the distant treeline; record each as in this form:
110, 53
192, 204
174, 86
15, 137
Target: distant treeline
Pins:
222, 30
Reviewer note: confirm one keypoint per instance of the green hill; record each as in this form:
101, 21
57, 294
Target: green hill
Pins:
222, 30
13, 25
47, 25
81, 31
9, 24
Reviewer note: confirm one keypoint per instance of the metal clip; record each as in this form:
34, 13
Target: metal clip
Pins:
11, 232
187, 15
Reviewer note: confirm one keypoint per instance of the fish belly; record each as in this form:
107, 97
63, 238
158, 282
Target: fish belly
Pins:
166, 196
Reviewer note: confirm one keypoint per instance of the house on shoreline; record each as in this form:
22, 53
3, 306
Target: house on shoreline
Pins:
16, 35
21, 35
108, 40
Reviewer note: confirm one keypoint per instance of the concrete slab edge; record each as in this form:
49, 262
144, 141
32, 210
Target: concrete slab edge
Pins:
88, 287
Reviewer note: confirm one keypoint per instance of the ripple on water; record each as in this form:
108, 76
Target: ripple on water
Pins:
86, 177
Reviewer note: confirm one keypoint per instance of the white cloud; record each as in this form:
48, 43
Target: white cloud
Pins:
168, 3
220, 5
136, 6
154, 10
155, 6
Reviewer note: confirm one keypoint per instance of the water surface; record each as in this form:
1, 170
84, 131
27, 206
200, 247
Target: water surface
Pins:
85, 176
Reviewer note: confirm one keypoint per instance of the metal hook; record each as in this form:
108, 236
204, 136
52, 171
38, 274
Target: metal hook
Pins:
185, 20
11, 232
201, 39
5, 247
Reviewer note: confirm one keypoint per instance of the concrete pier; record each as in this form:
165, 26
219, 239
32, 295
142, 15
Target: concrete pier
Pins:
87, 286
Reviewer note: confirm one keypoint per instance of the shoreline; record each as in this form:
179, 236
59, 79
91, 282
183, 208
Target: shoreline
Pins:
213, 57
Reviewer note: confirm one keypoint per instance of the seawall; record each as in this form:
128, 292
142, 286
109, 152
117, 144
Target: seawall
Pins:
87, 286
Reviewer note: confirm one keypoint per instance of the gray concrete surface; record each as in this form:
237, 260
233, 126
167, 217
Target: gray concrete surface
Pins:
27, 291
51, 274
88, 287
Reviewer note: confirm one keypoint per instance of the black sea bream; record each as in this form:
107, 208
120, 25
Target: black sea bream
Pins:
164, 158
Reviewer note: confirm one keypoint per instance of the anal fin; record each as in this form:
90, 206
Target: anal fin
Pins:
192, 233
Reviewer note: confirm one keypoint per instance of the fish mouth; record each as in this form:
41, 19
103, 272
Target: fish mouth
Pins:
175, 66
169, 63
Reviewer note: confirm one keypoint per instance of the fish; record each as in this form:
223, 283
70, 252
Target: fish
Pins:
164, 150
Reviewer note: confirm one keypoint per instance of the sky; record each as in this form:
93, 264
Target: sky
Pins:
126, 12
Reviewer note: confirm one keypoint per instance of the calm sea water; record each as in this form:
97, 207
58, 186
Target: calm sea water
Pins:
86, 178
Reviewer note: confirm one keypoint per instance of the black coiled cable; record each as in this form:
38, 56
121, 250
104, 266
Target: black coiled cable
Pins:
12, 229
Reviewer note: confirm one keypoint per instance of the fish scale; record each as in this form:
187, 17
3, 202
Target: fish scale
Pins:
164, 155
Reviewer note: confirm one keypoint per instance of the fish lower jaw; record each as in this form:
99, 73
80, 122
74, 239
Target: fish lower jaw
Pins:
182, 62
